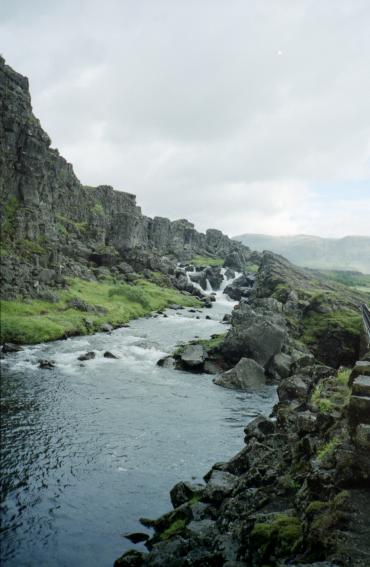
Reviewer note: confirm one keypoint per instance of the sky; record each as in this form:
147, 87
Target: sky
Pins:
243, 115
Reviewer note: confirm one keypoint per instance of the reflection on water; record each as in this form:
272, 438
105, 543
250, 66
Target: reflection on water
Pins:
88, 449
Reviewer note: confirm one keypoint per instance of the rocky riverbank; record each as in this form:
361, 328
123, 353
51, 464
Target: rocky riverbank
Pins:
298, 492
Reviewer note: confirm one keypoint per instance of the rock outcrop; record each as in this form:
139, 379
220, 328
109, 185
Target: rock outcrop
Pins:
53, 226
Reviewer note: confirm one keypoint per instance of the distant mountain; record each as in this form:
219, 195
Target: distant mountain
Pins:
348, 253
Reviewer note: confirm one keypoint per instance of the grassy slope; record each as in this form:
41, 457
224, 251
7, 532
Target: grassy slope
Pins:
38, 321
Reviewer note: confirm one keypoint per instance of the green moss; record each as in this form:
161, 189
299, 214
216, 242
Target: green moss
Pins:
204, 261
346, 320
328, 448
315, 507
39, 321
281, 535
176, 527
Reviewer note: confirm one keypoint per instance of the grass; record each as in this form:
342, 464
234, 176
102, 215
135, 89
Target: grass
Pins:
350, 279
39, 321
342, 320
204, 261
332, 394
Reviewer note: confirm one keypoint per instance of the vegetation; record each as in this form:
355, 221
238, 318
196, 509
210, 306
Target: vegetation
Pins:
252, 268
98, 209
9, 211
204, 261
315, 324
38, 320
71, 224
282, 532
176, 527
349, 279
328, 447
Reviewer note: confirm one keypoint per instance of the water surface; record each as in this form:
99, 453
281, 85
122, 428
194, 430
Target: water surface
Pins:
87, 450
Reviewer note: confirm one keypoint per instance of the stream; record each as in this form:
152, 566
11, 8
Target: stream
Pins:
88, 450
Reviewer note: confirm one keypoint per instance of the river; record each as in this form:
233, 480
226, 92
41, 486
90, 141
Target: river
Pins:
88, 450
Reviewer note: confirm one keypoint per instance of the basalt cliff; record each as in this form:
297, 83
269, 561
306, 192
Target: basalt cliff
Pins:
54, 227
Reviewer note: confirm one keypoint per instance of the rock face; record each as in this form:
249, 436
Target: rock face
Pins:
247, 374
53, 226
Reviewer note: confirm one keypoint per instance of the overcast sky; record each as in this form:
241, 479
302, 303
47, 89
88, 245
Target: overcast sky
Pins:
245, 115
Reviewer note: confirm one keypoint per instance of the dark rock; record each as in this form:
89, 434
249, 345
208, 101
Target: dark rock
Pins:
258, 428
87, 356
182, 492
167, 362
106, 328
10, 347
293, 388
137, 537
109, 354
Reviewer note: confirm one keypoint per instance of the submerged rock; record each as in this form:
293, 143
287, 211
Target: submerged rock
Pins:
87, 356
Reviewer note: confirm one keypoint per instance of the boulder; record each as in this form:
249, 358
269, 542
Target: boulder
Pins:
219, 485
106, 328
247, 374
193, 356
109, 354
258, 428
254, 335
184, 491
293, 388
280, 366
